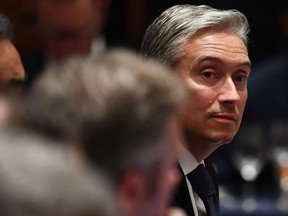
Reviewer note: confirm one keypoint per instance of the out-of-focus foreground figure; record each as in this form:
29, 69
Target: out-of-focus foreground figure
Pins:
37, 178
120, 112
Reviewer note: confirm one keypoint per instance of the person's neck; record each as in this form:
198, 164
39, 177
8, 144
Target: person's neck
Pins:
199, 152
201, 149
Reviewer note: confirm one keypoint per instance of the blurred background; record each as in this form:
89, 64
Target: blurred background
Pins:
128, 20
253, 169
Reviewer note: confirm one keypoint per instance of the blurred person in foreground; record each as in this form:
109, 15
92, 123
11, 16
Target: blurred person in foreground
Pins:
11, 68
37, 178
119, 112
38, 174
65, 28
207, 47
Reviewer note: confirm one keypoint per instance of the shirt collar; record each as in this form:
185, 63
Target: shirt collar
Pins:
187, 160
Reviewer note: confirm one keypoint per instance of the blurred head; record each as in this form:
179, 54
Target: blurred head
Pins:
122, 111
208, 48
68, 27
37, 179
11, 68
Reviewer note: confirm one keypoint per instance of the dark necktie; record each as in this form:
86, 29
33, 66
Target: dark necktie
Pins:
203, 185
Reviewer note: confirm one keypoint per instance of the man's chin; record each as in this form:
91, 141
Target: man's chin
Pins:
227, 140
221, 140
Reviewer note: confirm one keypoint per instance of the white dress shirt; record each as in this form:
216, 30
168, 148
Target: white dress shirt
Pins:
188, 163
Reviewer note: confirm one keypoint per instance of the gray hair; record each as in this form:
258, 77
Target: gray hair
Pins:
164, 38
37, 178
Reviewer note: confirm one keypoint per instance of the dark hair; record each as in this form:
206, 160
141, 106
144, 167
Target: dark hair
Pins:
6, 28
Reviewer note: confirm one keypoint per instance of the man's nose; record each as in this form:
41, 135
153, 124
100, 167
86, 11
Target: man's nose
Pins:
229, 92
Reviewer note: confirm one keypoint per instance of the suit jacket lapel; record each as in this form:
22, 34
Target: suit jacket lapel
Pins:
181, 197
212, 171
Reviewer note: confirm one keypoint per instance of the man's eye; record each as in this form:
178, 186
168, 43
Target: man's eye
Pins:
208, 74
241, 78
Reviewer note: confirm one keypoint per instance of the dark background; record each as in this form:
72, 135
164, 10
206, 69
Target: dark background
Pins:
129, 19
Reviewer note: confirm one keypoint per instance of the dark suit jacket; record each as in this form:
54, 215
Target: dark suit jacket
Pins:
181, 197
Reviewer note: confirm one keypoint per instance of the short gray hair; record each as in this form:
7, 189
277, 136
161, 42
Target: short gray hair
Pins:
164, 38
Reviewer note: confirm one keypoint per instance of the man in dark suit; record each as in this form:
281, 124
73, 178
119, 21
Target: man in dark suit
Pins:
207, 47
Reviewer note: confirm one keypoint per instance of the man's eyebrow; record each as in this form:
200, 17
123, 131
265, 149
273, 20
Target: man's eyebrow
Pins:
246, 64
207, 58
218, 60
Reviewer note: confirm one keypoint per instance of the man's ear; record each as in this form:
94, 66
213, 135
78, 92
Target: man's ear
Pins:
132, 191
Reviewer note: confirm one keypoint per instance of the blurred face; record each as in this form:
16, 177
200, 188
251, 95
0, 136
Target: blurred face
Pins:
216, 67
68, 27
11, 68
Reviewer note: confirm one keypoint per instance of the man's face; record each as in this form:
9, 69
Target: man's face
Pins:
11, 68
216, 67
68, 27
